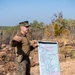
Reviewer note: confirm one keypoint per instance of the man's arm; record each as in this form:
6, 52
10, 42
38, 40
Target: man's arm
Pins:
16, 39
34, 43
13, 43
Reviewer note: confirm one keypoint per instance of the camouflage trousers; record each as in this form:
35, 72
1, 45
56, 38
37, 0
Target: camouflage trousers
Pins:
23, 68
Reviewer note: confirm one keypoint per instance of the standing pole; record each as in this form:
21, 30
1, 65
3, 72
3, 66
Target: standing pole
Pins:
1, 36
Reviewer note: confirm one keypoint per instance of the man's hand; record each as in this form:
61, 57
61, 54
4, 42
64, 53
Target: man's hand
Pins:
34, 43
17, 38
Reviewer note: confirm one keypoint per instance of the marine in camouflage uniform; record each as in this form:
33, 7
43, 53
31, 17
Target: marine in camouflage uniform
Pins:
22, 52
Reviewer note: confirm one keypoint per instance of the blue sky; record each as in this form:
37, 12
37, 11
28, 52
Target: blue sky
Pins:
14, 11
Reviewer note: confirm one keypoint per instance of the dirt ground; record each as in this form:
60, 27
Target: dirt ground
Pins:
7, 63
67, 67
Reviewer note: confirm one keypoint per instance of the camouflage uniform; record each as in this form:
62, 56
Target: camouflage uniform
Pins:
22, 58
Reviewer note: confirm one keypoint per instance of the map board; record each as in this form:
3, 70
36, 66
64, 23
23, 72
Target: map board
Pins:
48, 58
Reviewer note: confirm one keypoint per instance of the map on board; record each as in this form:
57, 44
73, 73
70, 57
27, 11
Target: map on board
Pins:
48, 58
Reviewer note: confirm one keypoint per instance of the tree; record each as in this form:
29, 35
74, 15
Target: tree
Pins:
59, 24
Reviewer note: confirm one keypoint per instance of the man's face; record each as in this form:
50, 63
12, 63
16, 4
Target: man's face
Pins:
25, 29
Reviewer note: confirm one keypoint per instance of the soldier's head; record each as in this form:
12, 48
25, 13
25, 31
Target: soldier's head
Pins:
24, 27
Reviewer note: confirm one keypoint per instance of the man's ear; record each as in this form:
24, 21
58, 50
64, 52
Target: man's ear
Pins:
21, 27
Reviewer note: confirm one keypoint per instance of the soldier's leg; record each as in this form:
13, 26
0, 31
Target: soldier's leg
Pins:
28, 69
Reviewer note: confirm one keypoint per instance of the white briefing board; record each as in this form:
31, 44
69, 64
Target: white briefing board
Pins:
48, 58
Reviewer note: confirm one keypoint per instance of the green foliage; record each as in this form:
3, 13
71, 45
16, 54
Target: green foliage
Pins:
60, 24
36, 25
37, 30
73, 53
56, 28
